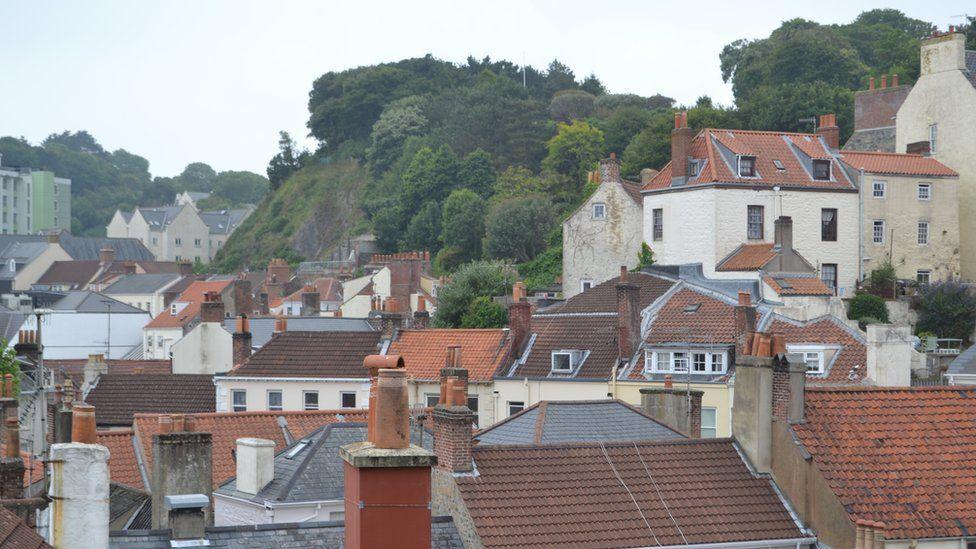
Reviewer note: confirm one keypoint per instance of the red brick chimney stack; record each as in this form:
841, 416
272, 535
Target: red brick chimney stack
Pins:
452, 423
212, 308
11, 464
871, 83
884, 81
519, 318
628, 317
241, 340
681, 138
106, 255
421, 317
829, 130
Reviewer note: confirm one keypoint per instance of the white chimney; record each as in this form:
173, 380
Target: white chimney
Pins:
943, 53
889, 355
78, 513
255, 464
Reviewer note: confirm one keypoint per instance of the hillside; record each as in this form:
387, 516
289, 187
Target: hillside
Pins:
311, 211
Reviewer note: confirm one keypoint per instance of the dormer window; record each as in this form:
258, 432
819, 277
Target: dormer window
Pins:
821, 170
564, 362
747, 166
693, 168
694, 361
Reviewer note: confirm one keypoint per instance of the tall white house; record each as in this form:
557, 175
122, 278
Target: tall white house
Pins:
33, 200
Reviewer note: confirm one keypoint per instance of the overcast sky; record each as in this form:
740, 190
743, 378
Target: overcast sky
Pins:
214, 81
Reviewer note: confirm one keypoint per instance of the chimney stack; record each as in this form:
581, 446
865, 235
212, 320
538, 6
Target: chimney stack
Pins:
452, 422
783, 233
745, 323
243, 298
11, 464
421, 317
182, 464
889, 355
681, 137
388, 318
186, 268
753, 403
884, 81
628, 317
519, 319
829, 130
8, 403
871, 83
311, 301
387, 480
610, 169
28, 345
373, 364
679, 409
96, 366
280, 325
894, 80
241, 340
187, 518
78, 515
255, 464
106, 255
212, 308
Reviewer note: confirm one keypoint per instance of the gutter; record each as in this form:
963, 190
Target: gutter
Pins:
295, 379
796, 542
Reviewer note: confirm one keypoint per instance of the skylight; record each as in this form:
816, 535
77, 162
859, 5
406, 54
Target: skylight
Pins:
779, 165
693, 308
302, 444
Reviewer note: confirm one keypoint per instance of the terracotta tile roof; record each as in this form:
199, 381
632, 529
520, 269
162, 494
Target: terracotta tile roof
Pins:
193, 296
690, 316
897, 164
123, 467
583, 495
849, 365
902, 456
602, 298
116, 397
717, 149
312, 354
424, 352
595, 334
227, 427
15, 534
798, 285
748, 257
329, 289
633, 190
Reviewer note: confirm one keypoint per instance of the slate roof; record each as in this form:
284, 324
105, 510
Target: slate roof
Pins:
141, 283
312, 354
316, 472
125, 505
122, 463
84, 301
224, 221
897, 164
329, 535
89, 247
15, 534
849, 364
748, 257
902, 456
159, 217
74, 274
718, 148
10, 323
965, 363
226, 427
623, 494
874, 139
193, 297
550, 422
75, 368
798, 285
116, 397
483, 352
262, 327
971, 66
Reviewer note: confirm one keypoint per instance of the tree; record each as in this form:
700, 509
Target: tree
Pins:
424, 230
645, 257
516, 181
400, 120
569, 105
621, 127
197, 176
238, 188
477, 173
431, 175
471, 281
386, 228
516, 229
10, 365
782, 107
483, 312
947, 309
80, 141
573, 151
867, 306
288, 161
463, 223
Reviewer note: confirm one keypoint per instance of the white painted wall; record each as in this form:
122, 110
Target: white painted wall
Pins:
533, 391
162, 341
291, 389
68, 334
206, 349
33, 271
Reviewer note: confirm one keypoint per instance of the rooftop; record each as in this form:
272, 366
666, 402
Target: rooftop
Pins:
141, 283
193, 296
483, 352
846, 366
884, 163
312, 354
117, 397
748, 257
262, 327
84, 301
798, 285
15, 534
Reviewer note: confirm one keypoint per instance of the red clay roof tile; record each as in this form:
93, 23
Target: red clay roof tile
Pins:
848, 367
15, 534
748, 257
424, 352
897, 164
193, 296
693, 317
123, 466
807, 285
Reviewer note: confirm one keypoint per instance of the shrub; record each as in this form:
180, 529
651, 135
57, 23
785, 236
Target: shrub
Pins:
865, 305
484, 313
947, 309
882, 279
471, 281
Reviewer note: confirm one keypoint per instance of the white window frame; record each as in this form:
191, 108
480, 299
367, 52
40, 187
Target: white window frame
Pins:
809, 352
343, 395
924, 235
514, 404
927, 194
878, 223
709, 431
716, 362
738, 166
305, 405
602, 208
562, 352
933, 137
927, 273
430, 398
879, 185
281, 400
584, 282
233, 400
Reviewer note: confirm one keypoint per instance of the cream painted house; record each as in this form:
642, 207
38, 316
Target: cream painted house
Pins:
938, 118
724, 188
910, 214
606, 231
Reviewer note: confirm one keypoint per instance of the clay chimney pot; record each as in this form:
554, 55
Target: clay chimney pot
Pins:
745, 299
668, 381
623, 273
179, 424
392, 423
83, 424
165, 424
778, 342
13, 438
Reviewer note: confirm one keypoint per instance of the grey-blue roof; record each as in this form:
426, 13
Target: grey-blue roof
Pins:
331, 534
161, 216
10, 323
89, 247
84, 301
262, 327
141, 283
965, 363
21, 252
224, 221
551, 422
315, 473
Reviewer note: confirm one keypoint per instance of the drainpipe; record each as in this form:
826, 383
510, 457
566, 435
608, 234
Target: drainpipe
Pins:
613, 382
528, 393
860, 231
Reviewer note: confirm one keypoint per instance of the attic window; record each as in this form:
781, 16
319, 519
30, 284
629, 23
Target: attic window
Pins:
693, 308
821, 170
693, 168
747, 166
302, 444
779, 165
783, 283
563, 362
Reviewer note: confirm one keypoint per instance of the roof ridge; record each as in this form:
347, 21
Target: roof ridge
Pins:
844, 153
256, 413
607, 444
760, 132
877, 389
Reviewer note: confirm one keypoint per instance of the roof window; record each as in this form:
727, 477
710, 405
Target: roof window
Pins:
747, 166
693, 308
821, 170
302, 444
779, 165
564, 362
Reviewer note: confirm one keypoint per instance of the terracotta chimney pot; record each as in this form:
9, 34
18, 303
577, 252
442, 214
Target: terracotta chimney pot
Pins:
165, 424
764, 348
745, 299
190, 423
13, 438
668, 383
871, 83
623, 273
83, 424
392, 424
179, 424
778, 342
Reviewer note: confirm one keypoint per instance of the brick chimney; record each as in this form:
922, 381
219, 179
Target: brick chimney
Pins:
681, 137
106, 255
212, 308
679, 409
388, 480
241, 340
311, 301
8, 403
829, 130
453, 420
421, 317
78, 515
280, 326
745, 323
11, 464
389, 319
182, 464
628, 317
255, 464
610, 169
129, 268
28, 345
519, 319
243, 296
186, 267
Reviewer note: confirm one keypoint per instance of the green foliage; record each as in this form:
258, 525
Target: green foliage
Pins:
238, 188
621, 127
516, 229
197, 176
882, 279
9, 365
947, 309
400, 120
477, 173
543, 271
288, 160
484, 313
448, 260
569, 105
463, 223
431, 175
782, 107
865, 305
573, 151
386, 228
517, 181
474, 280
424, 230
645, 257
607, 104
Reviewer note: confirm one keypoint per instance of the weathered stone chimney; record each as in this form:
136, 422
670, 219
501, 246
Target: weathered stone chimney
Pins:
829, 130
96, 366
78, 515
212, 308
681, 137
389, 319
610, 169
243, 298
783, 233
628, 317
311, 301
679, 409
519, 319
241, 340
943, 52
182, 464
889, 355
187, 518
106, 255
421, 317
255, 464
388, 480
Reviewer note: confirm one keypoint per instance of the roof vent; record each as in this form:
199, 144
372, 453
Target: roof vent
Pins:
302, 444
693, 308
